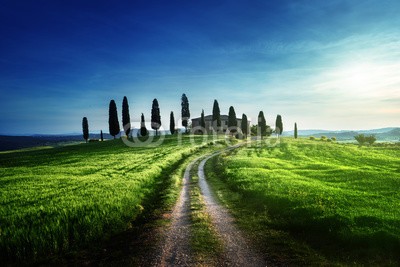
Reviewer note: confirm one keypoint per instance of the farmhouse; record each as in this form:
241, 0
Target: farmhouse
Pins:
210, 125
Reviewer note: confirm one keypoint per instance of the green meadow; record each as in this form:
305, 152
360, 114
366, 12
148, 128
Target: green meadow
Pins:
53, 200
314, 202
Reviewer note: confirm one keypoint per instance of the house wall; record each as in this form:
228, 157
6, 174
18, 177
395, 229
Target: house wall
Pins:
209, 125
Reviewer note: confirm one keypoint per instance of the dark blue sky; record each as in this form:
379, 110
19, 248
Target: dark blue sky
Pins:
324, 64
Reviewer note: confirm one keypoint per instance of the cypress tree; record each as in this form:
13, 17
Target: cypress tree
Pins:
245, 125
172, 123
143, 130
216, 116
185, 111
101, 135
295, 130
262, 124
232, 121
85, 129
155, 116
126, 119
203, 122
278, 125
113, 123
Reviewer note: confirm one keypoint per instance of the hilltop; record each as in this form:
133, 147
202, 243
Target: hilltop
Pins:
382, 134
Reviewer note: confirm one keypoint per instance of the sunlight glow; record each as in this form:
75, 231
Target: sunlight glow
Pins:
361, 78
365, 79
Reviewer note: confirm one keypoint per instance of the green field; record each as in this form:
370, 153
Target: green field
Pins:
314, 202
53, 200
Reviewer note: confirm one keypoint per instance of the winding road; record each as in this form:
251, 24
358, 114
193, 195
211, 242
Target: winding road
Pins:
175, 250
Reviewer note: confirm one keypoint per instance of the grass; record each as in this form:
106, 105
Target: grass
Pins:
57, 200
308, 202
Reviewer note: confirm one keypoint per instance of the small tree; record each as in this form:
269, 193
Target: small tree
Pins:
254, 129
216, 116
143, 129
172, 123
245, 125
278, 125
295, 130
113, 123
232, 121
202, 122
126, 119
101, 136
85, 129
262, 124
370, 139
360, 139
155, 116
185, 112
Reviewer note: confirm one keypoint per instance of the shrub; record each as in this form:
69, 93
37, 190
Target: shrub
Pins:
370, 139
329, 140
312, 138
323, 138
360, 139
333, 138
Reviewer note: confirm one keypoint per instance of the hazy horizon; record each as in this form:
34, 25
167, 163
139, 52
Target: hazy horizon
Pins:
332, 65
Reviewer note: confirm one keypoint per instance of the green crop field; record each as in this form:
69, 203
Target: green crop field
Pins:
56, 199
314, 202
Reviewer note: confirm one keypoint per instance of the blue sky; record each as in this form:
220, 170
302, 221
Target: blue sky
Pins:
322, 64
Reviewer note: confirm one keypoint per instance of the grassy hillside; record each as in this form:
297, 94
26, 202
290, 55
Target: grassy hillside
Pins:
56, 199
316, 202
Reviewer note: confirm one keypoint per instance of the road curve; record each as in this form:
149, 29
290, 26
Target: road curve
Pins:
237, 249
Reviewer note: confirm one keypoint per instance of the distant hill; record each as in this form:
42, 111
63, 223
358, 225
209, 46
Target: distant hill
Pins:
18, 142
8, 142
382, 134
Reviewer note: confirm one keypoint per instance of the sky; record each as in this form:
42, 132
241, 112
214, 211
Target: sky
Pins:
330, 65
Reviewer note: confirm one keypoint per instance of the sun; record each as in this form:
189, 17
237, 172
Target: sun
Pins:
360, 78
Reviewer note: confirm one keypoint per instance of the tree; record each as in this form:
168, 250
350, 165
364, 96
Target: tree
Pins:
232, 121
185, 111
113, 123
143, 129
202, 122
85, 129
245, 125
216, 116
172, 123
101, 136
360, 139
155, 116
278, 125
126, 119
295, 130
262, 124
370, 139
254, 129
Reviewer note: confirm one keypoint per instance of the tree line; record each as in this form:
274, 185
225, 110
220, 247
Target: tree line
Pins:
114, 127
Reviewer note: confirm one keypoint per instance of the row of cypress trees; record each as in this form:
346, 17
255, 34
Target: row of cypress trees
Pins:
114, 127
113, 123
155, 117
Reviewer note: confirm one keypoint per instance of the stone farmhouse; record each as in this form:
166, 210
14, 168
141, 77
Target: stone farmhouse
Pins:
210, 125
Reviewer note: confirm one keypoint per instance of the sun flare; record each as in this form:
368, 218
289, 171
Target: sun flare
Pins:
364, 78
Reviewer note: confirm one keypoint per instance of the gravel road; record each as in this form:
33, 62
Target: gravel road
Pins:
175, 250
237, 248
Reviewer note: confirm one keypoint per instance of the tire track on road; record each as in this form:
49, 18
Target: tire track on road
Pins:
237, 249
